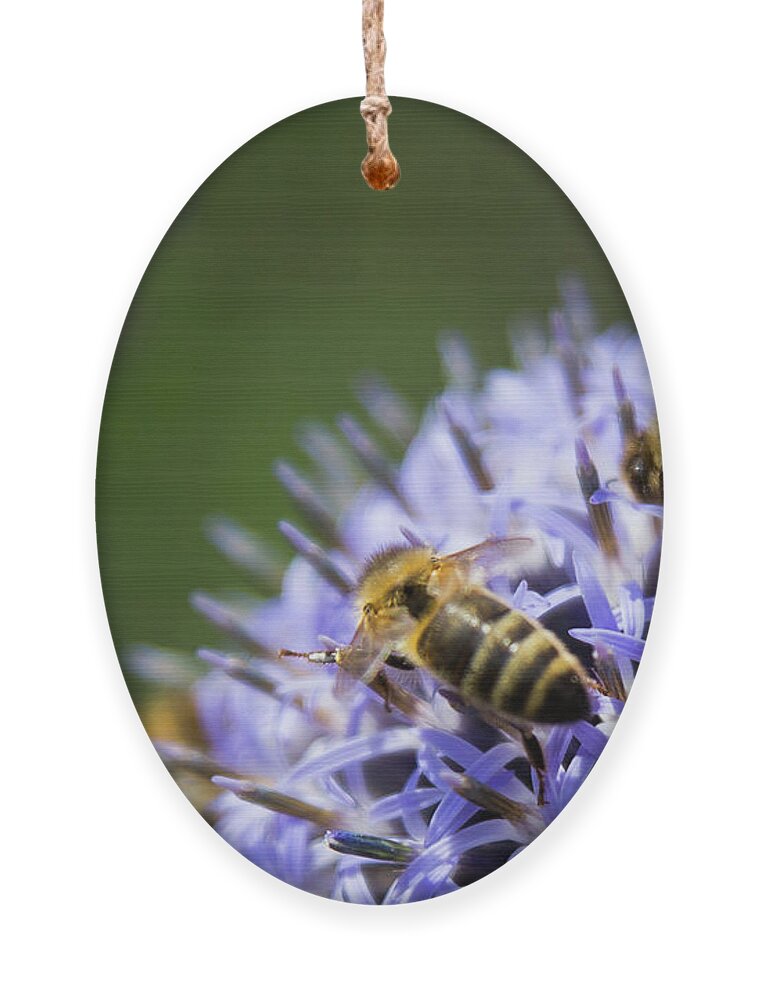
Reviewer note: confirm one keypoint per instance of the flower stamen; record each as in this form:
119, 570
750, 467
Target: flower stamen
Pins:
246, 550
470, 453
570, 358
363, 845
626, 413
238, 669
320, 560
387, 409
278, 802
229, 621
599, 514
487, 798
371, 458
178, 757
308, 502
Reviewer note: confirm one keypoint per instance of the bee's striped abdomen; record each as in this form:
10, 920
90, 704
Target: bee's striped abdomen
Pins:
448, 641
540, 682
496, 649
503, 660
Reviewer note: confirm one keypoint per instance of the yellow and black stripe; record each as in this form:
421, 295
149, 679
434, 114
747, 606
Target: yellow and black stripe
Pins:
502, 659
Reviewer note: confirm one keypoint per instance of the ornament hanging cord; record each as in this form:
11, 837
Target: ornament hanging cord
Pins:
379, 168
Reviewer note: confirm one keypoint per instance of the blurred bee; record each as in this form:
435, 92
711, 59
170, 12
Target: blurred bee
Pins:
641, 460
642, 464
421, 609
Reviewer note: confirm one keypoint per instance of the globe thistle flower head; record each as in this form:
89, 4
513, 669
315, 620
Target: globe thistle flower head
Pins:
399, 788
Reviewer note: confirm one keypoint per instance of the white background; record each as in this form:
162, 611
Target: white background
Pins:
113, 114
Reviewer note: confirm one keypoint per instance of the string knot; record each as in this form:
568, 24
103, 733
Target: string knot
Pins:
374, 105
379, 168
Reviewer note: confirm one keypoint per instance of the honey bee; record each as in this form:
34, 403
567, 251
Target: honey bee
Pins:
422, 609
642, 464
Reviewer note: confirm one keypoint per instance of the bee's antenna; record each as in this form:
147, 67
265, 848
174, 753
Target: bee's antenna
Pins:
320, 656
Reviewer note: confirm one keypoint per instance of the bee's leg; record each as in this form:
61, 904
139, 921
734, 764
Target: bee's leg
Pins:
524, 734
541, 800
381, 685
536, 758
606, 679
454, 699
399, 662
597, 685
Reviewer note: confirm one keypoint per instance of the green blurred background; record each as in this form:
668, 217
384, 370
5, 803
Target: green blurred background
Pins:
280, 282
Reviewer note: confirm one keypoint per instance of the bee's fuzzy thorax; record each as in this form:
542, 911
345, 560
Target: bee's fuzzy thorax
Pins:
388, 567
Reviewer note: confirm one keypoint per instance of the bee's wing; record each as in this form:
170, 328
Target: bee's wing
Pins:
489, 559
364, 658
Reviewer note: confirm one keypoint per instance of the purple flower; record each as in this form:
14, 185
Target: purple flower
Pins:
332, 792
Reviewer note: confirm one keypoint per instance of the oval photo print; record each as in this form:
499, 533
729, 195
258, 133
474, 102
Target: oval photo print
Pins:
379, 502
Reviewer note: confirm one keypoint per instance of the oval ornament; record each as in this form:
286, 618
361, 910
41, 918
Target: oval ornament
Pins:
418, 432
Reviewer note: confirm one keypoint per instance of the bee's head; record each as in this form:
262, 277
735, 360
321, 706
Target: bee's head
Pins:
397, 577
